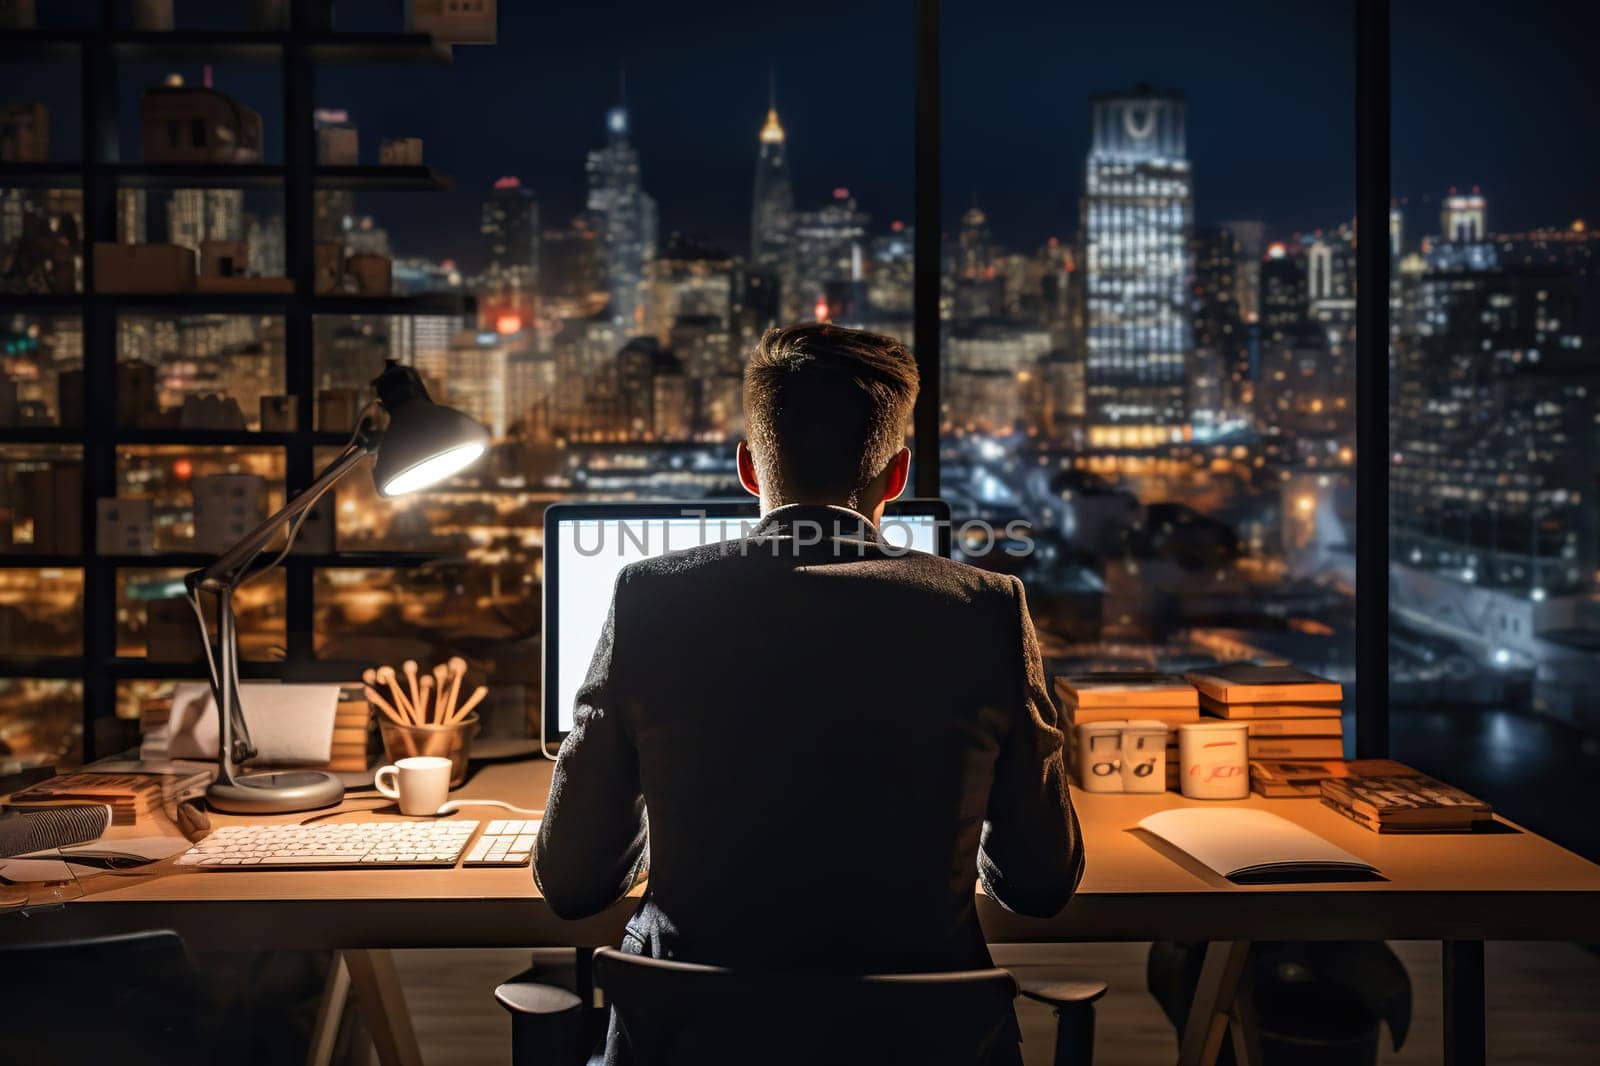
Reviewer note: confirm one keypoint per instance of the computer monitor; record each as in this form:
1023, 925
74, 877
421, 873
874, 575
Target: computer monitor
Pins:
578, 579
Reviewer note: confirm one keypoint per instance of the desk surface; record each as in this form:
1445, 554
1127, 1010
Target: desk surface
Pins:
1509, 885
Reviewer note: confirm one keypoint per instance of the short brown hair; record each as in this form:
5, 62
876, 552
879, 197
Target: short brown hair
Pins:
825, 409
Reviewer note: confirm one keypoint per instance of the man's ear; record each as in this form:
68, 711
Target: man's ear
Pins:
899, 471
747, 469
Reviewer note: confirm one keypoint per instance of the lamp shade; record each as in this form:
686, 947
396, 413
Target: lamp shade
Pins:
425, 443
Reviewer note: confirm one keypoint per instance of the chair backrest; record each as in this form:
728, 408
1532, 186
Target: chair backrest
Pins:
674, 1012
125, 999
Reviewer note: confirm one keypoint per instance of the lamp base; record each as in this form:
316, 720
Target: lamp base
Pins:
276, 792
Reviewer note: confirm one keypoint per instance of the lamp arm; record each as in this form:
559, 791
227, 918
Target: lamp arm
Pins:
228, 568
224, 575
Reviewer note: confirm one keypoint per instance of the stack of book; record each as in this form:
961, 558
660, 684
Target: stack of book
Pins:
1294, 778
354, 736
130, 796
1291, 714
1388, 797
1128, 696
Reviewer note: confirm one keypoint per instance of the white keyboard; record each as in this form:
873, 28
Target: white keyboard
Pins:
349, 844
506, 842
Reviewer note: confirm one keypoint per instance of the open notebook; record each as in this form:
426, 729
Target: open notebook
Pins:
1251, 847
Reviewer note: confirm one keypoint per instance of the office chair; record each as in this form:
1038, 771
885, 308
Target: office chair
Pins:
672, 1012
125, 999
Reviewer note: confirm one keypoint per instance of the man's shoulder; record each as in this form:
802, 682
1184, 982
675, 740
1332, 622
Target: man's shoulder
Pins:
743, 557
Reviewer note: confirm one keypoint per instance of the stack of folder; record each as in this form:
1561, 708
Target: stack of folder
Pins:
131, 796
1291, 714
1128, 696
1389, 797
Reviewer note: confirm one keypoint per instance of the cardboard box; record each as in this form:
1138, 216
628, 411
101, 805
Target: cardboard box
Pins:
224, 259
282, 286
279, 414
171, 632
25, 133
454, 21
338, 146
372, 274
125, 526
329, 267
143, 268
226, 507
400, 152
336, 409
192, 124
16, 14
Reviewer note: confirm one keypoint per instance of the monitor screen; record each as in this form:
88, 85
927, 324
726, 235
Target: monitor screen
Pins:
586, 546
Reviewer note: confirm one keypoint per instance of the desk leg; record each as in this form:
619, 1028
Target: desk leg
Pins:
382, 1002
1465, 1036
329, 1012
1213, 1001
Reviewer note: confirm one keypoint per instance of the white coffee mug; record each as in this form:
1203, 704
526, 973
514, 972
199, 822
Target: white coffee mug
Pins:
421, 786
1214, 760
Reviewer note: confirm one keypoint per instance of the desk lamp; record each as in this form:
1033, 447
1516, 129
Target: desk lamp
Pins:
423, 445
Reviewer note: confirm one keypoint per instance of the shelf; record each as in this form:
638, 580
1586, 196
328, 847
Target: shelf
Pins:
226, 46
383, 179
340, 671
45, 666
244, 303
39, 175
41, 302
227, 176
41, 435
352, 560
194, 175
131, 668
10, 560
427, 303
31, 46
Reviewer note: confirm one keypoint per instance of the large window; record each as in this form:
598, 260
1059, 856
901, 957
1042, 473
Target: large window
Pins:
645, 207
1495, 415
1146, 352
1148, 323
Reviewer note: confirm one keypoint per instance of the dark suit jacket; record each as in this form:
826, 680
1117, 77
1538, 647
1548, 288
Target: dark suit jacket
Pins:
831, 740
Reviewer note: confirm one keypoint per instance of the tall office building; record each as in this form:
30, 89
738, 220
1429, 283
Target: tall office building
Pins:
195, 215
509, 227
772, 205
1138, 209
1219, 329
829, 255
625, 220
1464, 216
330, 207
1251, 233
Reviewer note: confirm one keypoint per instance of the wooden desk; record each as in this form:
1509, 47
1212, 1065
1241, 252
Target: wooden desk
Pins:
1462, 890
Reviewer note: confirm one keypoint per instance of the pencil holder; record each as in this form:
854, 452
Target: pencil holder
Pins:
453, 742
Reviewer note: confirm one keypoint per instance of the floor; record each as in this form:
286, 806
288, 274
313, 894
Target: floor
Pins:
1541, 1004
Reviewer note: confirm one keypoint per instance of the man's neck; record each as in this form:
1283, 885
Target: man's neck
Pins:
768, 505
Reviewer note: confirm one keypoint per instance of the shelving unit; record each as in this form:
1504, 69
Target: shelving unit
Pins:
101, 172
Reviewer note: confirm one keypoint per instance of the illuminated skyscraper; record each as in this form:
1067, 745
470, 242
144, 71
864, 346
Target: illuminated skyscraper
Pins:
510, 229
1463, 217
1138, 208
772, 206
829, 258
1219, 330
625, 220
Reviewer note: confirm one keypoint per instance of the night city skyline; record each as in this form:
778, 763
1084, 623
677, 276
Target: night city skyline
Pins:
1269, 93
1147, 349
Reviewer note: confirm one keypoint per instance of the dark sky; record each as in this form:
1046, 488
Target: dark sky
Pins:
1486, 92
